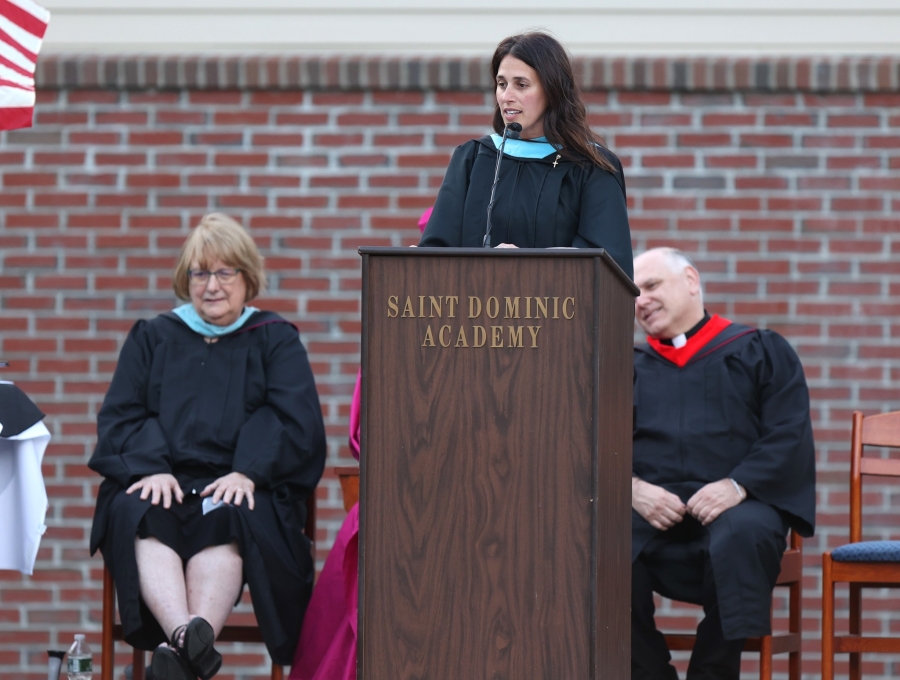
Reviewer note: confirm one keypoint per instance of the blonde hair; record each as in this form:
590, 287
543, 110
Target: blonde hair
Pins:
218, 237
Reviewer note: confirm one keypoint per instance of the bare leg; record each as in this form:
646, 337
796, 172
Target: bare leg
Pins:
162, 583
214, 578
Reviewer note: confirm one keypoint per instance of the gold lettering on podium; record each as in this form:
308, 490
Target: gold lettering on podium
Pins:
452, 301
515, 336
474, 307
429, 338
478, 336
492, 307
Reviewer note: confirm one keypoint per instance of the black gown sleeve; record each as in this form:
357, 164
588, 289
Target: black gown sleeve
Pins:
130, 441
780, 467
283, 441
445, 226
603, 217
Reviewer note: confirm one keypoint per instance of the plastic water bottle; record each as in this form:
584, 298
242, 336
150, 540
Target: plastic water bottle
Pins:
80, 665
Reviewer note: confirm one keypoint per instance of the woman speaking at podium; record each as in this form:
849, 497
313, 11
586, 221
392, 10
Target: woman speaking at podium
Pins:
556, 185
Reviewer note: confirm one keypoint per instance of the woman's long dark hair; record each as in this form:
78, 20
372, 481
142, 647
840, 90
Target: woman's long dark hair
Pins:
565, 120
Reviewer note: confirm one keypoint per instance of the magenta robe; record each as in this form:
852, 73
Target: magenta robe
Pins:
327, 647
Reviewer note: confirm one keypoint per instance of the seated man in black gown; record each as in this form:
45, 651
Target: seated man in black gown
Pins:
723, 466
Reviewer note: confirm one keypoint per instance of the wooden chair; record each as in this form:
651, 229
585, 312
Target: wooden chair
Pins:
112, 631
861, 564
349, 477
777, 643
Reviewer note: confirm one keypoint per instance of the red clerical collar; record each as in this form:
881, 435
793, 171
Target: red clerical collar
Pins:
695, 343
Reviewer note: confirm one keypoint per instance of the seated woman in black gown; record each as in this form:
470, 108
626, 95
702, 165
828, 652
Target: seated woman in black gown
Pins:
558, 187
209, 440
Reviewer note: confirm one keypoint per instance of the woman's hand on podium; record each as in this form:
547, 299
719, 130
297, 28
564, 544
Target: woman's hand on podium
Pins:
506, 245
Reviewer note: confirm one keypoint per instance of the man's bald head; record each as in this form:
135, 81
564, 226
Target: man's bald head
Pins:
671, 300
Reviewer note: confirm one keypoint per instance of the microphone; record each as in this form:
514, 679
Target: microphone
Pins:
512, 131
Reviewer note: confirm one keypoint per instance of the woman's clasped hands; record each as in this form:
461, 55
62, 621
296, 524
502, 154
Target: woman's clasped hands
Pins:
234, 486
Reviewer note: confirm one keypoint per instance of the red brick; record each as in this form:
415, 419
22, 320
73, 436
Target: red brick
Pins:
365, 160
623, 140
94, 221
337, 98
229, 160
30, 345
241, 118
301, 119
120, 118
857, 204
155, 138
159, 179
854, 120
335, 181
223, 97
751, 183
396, 98
705, 139
731, 161
729, 119
61, 200
765, 224
283, 139
211, 180
729, 203
31, 221
460, 99
766, 141
92, 138
763, 267
29, 179
58, 158
851, 162
219, 138
668, 161
829, 142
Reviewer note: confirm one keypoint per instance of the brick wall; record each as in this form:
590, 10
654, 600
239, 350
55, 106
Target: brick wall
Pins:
780, 177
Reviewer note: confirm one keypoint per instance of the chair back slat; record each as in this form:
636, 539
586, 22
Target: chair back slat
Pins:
878, 430
880, 466
882, 430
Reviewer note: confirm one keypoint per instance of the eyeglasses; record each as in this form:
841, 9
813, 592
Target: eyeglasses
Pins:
223, 276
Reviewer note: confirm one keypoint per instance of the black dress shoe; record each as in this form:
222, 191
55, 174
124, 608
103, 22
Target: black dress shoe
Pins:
197, 648
167, 664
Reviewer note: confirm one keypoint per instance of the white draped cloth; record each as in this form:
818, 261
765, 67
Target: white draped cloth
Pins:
23, 498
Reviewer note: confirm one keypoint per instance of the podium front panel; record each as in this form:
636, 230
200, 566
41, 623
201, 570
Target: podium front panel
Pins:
493, 471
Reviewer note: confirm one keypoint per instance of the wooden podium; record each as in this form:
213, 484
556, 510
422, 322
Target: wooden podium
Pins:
495, 499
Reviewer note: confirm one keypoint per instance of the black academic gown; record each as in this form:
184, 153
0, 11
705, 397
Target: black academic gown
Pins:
739, 408
537, 204
246, 403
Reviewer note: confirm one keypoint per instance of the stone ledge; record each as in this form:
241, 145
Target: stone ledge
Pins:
355, 73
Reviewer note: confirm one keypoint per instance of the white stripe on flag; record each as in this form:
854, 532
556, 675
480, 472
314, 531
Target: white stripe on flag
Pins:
30, 42
33, 9
16, 57
14, 97
7, 73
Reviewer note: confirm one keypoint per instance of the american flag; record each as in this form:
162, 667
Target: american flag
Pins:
22, 27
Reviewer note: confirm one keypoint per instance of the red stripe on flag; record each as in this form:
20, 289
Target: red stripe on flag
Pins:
15, 117
9, 83
24, 20
12, 42
15, 67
